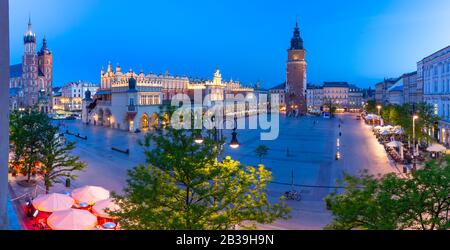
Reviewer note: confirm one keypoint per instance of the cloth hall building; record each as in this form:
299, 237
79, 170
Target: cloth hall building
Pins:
131, 101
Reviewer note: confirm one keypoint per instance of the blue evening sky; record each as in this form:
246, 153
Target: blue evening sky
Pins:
357, 41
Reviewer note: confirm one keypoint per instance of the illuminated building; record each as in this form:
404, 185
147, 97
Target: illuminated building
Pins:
31, 80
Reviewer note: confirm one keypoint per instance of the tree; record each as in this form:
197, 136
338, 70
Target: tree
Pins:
261, 151
57, 161
27, 132
427, 119
184, 186
331, 107
371, 107
392, 202
403, 115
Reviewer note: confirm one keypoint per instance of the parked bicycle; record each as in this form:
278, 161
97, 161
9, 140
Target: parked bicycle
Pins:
293, 195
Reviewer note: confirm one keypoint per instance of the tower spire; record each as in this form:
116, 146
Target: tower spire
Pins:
29, 36
30, 25
297, 41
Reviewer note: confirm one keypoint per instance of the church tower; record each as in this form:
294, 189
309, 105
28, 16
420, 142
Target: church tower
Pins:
46, 67
30, 67
296, 76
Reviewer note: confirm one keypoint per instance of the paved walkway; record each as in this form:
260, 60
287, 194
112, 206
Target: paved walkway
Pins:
305, 148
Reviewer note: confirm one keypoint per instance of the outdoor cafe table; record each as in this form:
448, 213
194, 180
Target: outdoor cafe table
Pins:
109, 225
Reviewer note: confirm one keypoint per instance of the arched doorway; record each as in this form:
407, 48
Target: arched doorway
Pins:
154, 122
98, 118
108, 118
145, 122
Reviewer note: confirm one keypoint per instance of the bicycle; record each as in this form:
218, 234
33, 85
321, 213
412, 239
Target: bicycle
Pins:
293, 195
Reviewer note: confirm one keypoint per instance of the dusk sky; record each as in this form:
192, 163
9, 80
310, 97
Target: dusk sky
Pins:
356, 41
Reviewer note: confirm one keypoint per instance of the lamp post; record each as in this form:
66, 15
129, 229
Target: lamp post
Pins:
415, 117
234, 144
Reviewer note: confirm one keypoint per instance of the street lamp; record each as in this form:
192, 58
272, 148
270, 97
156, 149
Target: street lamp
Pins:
199, 138
234, 144
379, 109
415, 117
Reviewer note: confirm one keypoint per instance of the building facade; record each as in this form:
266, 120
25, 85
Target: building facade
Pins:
280, 90
131, 101
314, 98
336, 94
395, 94
381, 90
411, 93
355, 98
434, 72
32, 79
72, 94
296, 76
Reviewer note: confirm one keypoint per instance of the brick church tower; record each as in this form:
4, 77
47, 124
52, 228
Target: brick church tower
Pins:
33, 78
296, 76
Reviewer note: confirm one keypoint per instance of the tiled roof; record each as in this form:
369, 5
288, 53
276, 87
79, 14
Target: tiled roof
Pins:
335, 84
281, 86
397, 86
15, 70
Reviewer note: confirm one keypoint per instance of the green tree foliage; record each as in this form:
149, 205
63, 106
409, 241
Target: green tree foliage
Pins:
183, 186
371, 107
57, 162
27, 130
38, 149
261, 151
391, 202
402, 116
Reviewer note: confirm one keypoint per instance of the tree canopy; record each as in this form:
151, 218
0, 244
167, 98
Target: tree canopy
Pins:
393, 202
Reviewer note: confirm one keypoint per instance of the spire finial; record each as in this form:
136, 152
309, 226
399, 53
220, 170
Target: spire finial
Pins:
29, 22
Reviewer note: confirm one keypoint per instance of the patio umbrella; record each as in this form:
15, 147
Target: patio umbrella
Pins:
100, 208
394, 144
399, 131
436, 148
385, 132
53, 202
72, 219
90, 194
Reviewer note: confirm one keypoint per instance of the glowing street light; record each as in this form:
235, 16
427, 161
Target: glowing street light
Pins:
234, 144
199, 139
379, 109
